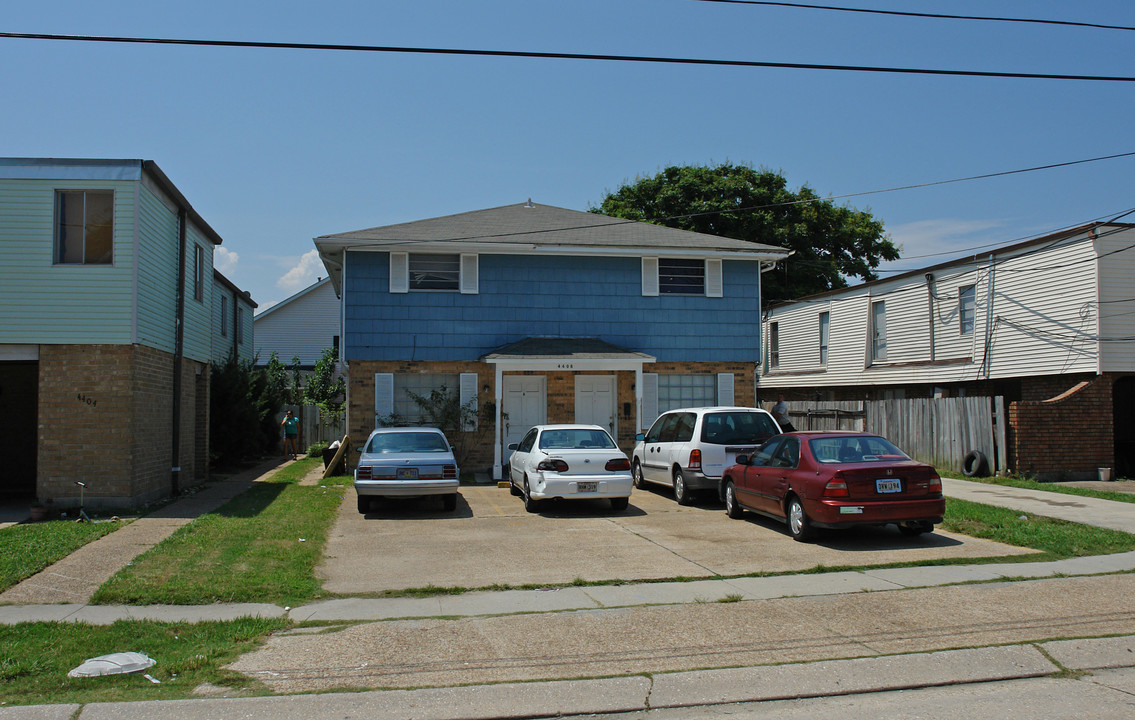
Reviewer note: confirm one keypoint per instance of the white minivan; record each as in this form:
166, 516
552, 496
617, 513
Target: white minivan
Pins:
688, 448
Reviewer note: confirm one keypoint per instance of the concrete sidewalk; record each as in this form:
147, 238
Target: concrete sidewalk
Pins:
1073, 508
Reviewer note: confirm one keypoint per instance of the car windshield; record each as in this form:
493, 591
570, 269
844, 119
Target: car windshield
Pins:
737, 428
407, 442
575, 439
855, 449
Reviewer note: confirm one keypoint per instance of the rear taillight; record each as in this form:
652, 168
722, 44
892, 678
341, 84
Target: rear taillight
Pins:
695, 460
364, 472
449, 472
617, 464
836, 487
552, 465
935, 485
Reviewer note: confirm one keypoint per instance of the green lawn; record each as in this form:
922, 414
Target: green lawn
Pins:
261, 546
27, 549
36, 657
1049, 487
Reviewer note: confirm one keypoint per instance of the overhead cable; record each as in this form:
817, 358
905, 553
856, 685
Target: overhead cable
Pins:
563, 56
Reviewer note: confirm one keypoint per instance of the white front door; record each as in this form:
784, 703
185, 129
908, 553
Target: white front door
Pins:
524, 399
595, 401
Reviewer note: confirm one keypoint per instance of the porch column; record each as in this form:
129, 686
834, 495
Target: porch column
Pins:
498, 397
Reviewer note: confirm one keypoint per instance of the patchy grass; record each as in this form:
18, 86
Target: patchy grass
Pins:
1058, 539
36, 657
28, 549
1049, 487
261, 546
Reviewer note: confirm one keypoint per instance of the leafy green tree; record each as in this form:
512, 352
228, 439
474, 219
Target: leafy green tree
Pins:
323, 389
244, 401
831, 243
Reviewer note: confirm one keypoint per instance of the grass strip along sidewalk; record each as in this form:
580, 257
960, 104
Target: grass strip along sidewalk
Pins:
27, 549
262, 546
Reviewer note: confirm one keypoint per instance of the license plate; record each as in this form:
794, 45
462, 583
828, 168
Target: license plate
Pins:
587, 487
888, 486
407, 473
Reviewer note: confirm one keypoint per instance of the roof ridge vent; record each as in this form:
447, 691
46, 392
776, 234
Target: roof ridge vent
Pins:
529, 204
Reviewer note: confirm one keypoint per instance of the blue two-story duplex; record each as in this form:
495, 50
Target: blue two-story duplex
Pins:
552, 315
110, 312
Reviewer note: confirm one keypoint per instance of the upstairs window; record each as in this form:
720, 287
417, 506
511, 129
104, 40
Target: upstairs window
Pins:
966, 303
825, 321
84, 227
239, 325
224, 316
879, 331
198, 273
681, 277
774, 345
435, 272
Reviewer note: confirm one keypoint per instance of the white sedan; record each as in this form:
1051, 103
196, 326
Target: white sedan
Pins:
569, 462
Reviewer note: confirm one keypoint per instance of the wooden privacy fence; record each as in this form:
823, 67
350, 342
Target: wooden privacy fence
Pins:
938, 431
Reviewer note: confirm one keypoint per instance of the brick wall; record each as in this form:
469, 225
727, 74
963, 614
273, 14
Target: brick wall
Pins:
106, 418
1067, 435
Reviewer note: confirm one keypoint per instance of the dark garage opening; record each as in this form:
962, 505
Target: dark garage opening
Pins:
19, 392
1123, 402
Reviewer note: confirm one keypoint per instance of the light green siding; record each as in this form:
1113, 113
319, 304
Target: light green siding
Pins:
198, 313
45, 303
157, 275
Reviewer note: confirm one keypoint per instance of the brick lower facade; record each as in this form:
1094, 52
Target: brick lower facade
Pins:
106, 418
1067, 436
560, 388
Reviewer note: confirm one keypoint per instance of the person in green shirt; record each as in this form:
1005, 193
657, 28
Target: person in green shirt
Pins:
291, 426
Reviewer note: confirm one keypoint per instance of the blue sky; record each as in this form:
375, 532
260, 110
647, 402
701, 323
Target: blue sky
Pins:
275, 147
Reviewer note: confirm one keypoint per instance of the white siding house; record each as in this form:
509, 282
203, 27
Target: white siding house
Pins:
1031, 321
303, 326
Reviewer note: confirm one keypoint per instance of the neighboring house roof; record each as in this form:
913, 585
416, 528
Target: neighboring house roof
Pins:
48, 169
1043, 240
529, 228
545, 348
285, 302
245, 295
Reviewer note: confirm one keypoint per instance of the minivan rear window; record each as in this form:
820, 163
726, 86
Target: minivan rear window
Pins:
737, 428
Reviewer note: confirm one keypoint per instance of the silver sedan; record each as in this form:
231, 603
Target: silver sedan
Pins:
407, 462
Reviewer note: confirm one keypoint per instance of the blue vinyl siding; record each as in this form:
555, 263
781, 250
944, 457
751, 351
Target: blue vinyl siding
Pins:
524, 296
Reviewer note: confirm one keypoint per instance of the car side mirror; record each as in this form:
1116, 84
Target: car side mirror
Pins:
513, 446
640, 437
742, 459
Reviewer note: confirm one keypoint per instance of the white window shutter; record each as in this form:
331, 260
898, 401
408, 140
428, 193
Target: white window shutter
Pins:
383, 396
713, 282
469, 275
649, 400
468, 384
725, 388
649, 277
399, 272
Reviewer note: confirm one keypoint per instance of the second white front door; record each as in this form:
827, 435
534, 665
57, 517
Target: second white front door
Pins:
595, 402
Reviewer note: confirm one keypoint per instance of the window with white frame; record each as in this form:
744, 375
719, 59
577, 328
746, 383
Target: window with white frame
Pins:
394, 394
825, 321
198, 273
433, 272
682, 276
774, 345
879, 331
967, 295
84, 227
677, 391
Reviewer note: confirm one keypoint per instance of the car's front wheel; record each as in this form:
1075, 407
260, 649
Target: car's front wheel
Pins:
636, 475
732, 509
681, 491
799, 526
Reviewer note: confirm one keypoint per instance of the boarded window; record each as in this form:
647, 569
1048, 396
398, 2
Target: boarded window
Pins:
681, 277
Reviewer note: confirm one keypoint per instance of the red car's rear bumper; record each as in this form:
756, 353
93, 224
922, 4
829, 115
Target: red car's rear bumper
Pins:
827, 512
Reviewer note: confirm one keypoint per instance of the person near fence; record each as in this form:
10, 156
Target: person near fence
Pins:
290, 424
780, 414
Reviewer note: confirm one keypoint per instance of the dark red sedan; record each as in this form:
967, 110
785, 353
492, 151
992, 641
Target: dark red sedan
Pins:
834, 480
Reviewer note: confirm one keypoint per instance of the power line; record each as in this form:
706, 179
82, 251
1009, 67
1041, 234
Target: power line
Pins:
935, 16
564, 56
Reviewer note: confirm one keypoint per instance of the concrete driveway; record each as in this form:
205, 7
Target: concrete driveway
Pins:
491, 540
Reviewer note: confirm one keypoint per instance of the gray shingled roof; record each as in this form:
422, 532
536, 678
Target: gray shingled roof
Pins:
546, 226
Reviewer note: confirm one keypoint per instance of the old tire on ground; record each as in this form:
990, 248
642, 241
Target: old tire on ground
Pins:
799, 526
732, 509
974, 464
620, 504
681, 491
449, 502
